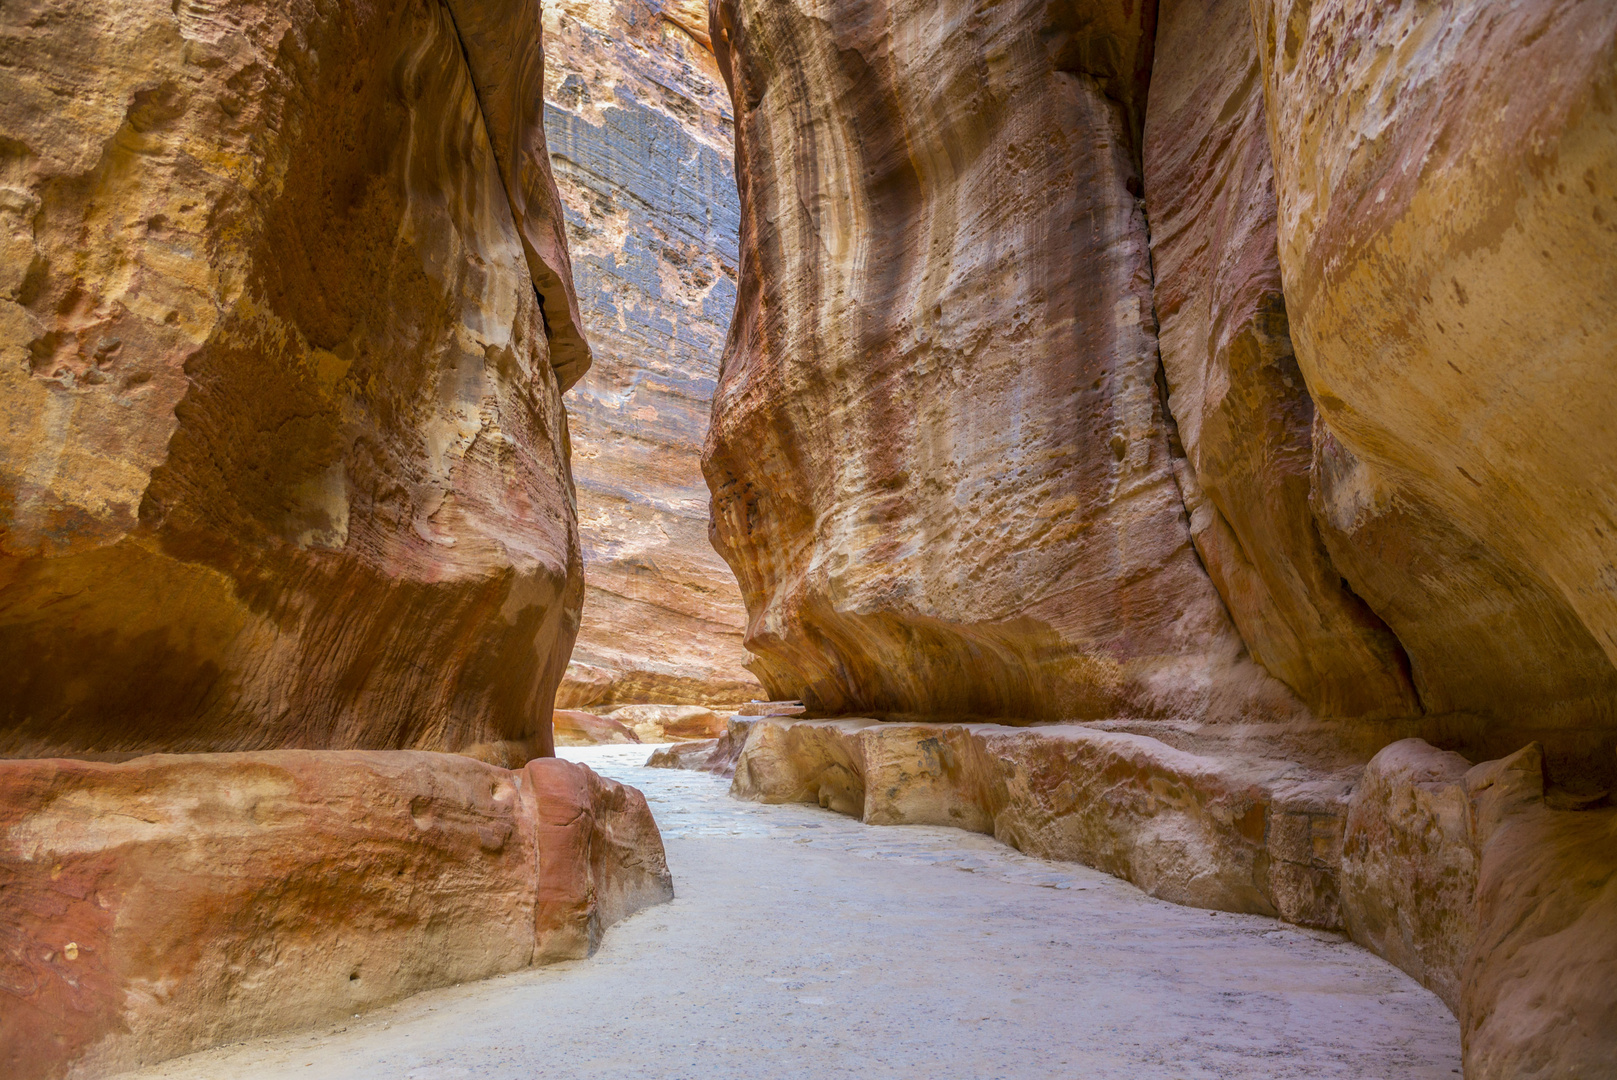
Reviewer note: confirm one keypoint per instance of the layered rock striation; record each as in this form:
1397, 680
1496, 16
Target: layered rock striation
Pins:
939, 459
159, 906
980, 251
640, 140
285, 318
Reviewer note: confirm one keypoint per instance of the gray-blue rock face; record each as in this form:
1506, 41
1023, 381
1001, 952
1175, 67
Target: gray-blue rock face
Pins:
639, 130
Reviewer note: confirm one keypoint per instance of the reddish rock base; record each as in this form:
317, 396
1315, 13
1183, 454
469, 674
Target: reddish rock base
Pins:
156, 907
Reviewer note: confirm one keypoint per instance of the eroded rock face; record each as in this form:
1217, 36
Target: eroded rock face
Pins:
1242, 409
1447, 184
640, 138
938, 456
174, 902
1468, 879
285, 318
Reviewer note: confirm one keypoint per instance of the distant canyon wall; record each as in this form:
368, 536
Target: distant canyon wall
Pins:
640, 138
286, 315
1179, 362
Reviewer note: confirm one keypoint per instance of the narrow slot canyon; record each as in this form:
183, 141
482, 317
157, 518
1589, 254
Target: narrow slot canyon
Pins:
769, 538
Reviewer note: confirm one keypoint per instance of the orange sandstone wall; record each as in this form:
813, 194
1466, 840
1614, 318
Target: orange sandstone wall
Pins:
286, 315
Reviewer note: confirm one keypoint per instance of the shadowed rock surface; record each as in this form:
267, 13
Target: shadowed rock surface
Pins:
285, 321
640, 136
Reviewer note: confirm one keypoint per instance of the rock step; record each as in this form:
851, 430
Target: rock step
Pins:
170, 903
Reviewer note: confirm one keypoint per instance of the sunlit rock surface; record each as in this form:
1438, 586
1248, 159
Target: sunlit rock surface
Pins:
285, 318
640, 137
175, 902
1447, 186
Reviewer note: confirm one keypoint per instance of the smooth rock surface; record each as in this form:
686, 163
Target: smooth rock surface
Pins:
805, 943
174, 902
640, 140
939, 462
1447, 186
1241, 408
285, 319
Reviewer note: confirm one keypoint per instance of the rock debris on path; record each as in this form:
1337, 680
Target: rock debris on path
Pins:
803, 943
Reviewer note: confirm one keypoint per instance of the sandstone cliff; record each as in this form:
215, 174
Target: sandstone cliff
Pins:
981, 249
1447, 233
640, 139
939, 459
285, 319
1236, 376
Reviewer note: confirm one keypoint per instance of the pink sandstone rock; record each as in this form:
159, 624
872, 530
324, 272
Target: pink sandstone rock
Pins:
170, 903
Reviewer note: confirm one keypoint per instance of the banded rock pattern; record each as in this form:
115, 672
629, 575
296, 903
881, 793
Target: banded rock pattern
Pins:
939, 459
640, 138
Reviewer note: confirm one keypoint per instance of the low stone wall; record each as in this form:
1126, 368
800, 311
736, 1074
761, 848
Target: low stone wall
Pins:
1232, 834
170, 903
1463, 876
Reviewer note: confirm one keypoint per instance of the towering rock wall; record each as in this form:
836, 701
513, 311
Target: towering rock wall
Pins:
640, 137
939, 459
1447, 232
1242, 407
285, 319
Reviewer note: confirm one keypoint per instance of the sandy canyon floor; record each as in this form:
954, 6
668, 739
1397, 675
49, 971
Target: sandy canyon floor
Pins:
803, 943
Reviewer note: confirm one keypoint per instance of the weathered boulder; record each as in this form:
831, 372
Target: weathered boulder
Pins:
668, 723
1466, 878
575, 728
155, 907
938, 455
285, 318
1241, 406
1409, 864
1231, 833
1447, 186
640, 139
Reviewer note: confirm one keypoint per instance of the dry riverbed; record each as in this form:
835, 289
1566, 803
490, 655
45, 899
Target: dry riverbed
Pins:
803, 943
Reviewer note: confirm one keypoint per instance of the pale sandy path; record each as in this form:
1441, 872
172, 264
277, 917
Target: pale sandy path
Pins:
804, 944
